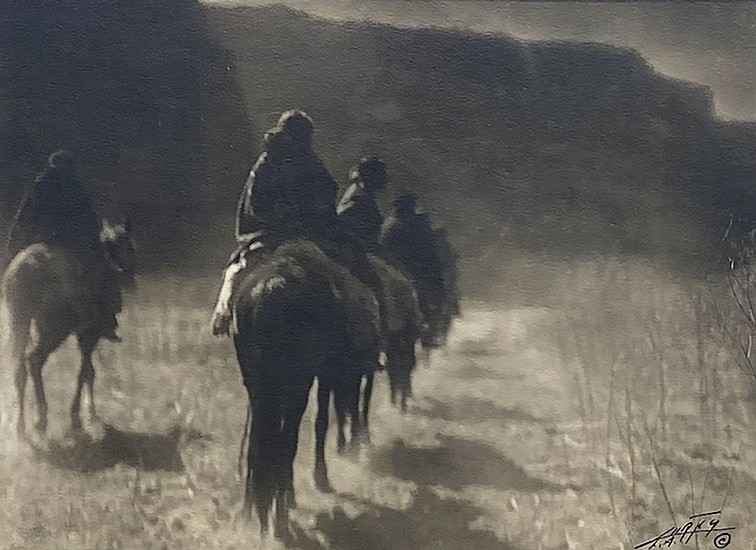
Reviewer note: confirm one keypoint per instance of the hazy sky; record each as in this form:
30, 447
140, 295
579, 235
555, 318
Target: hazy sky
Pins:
713, 44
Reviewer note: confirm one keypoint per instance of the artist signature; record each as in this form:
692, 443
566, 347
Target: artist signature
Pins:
699, 524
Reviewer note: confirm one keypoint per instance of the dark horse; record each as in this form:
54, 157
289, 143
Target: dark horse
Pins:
297, 315
45, 285
404, 327
440, 308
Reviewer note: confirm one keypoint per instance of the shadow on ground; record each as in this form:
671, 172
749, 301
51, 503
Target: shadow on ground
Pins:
470, 409
456, 464
149, 452
470, 369
429, 523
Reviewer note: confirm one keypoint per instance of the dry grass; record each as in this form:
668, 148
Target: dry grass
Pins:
519, 437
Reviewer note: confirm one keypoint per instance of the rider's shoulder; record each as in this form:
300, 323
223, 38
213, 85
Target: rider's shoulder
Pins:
262, 166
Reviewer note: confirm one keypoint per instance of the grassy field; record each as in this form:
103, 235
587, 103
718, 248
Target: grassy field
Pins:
595, 418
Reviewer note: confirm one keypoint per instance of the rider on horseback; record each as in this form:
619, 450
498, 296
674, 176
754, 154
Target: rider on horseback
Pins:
289, 194
58, 212
358, 210
409, 238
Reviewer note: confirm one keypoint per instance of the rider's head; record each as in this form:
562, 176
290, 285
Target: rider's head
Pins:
405, 205
292, 133
371, 171
62, 161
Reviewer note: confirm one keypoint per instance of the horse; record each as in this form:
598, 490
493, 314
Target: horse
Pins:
44, 285
297, 314
404, 327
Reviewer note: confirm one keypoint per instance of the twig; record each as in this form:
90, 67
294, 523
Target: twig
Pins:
610, 410
630, 447
706, 479
732, 340
729, 483
659, 477
657, 350
692, 494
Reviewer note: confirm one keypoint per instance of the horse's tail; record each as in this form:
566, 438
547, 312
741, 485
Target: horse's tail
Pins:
264, 460
245, 440
269, 311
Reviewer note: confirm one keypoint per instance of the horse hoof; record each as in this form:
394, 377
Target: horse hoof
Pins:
321, 482
97, 429
38, 442
355, 445
281, 530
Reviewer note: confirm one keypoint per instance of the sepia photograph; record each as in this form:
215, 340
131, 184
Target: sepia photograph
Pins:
377, 275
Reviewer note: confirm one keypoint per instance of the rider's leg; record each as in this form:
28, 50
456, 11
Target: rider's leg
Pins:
221, 322
109, 306
248, 253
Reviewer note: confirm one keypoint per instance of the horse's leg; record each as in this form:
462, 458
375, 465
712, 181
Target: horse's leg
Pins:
49, 340
291, 438
411, 362
341, 406
391, 369
405, 383
36, 361
426, 356
286, 499
353, 406
367, 394
21, 377
19, 326
321, 430
86, 376
247, 505
261, 459
405, 389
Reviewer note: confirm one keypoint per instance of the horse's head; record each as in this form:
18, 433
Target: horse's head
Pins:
120, 251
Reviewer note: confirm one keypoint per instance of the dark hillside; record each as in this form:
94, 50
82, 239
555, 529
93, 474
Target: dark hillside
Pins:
551, 148
558, 148
140, 92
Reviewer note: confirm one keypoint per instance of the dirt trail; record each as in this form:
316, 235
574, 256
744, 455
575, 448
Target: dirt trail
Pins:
488, 457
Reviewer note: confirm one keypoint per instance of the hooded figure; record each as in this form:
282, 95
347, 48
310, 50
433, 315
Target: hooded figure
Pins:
358, 212
289, 191
58, 212
449, 260
289, 194
410, 239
